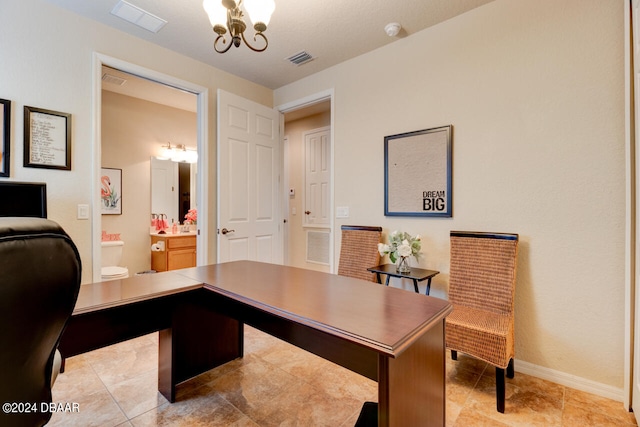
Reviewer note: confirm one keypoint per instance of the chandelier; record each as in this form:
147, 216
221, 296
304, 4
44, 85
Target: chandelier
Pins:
226, 15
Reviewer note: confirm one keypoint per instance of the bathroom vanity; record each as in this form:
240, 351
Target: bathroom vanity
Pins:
178, 251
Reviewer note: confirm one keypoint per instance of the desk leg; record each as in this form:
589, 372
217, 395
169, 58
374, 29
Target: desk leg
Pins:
199, 340
428, 290
378, 278
415, 286
411, 387
386, 282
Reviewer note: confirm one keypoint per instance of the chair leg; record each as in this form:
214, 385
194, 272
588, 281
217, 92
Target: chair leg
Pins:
454, 355
500, 389
510, 369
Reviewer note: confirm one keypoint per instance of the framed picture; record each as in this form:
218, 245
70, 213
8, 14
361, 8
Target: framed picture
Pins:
47, 139
111, 191
417, 173
5, 136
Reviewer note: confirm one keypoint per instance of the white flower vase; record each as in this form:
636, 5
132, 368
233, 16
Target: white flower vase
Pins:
403, 265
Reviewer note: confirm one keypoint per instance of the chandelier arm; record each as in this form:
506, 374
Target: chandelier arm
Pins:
266, 42
224, 41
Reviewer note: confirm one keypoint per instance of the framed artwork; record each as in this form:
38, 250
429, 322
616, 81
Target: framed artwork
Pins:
111, 191
5, 136
417, 173
47, 139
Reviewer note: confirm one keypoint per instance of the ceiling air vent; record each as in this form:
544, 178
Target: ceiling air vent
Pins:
108, 78
300, 58
138, 16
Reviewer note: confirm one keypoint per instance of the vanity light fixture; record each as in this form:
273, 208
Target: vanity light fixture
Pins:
179, 153
226, 15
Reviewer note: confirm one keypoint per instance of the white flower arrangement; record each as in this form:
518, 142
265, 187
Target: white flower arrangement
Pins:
401, 245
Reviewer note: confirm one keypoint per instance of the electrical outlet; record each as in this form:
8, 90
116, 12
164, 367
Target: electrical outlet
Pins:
83, 211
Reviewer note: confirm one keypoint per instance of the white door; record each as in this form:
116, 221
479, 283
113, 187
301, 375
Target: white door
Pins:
317, 176
248, 181
635, 386
164, 188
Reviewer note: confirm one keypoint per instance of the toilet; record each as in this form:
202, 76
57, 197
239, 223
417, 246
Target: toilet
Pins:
111, 257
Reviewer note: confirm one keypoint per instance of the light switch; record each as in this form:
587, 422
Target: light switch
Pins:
292, 191
83, 211
342, 212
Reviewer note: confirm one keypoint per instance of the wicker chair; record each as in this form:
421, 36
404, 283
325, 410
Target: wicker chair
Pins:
359, 251
482, 289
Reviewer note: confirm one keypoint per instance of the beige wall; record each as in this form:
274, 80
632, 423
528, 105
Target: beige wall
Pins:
295, 130
47, 62
534, 90
133, 130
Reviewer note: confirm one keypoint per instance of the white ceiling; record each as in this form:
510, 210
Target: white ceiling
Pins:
332, 31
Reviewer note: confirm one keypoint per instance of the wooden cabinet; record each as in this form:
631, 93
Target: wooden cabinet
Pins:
179, 252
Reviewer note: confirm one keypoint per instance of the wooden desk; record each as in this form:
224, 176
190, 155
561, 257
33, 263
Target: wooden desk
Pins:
416, 274
383, 333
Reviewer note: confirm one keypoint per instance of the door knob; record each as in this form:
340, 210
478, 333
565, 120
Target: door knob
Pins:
307, 212
225, 231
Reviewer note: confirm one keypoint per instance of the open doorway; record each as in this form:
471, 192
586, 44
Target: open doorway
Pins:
308, 202
127, 137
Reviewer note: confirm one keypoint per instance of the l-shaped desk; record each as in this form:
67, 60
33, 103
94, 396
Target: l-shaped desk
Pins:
390, 335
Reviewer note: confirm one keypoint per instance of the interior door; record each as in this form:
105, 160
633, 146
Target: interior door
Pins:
248, 181
164, 188
317, 177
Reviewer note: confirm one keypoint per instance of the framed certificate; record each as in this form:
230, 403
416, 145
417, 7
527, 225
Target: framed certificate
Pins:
5, 136
47, 139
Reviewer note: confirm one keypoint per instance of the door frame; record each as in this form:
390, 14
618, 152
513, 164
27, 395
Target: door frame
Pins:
202, 189
297, 105
632, 196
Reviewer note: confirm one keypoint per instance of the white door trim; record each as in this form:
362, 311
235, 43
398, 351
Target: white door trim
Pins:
631, 208
284, 166
304, 102
203, 168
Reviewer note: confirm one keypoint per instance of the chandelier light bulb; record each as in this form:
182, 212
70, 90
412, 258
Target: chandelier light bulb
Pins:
260, 11
216, 11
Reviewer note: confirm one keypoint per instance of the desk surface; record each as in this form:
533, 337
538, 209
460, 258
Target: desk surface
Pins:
101, 295
384, 319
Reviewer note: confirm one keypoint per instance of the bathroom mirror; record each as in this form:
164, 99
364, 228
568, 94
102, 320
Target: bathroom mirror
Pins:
172, 188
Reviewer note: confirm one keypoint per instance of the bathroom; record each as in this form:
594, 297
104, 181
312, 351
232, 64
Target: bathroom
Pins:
133, 131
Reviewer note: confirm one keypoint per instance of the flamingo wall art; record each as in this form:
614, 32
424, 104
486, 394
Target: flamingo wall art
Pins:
111, 191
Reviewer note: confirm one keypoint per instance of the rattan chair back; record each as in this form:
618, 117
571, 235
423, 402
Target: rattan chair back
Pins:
483, 270
359, 251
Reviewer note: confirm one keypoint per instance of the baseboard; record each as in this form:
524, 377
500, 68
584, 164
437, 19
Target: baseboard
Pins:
569, 380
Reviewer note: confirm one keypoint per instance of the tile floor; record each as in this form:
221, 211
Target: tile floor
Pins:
276, 384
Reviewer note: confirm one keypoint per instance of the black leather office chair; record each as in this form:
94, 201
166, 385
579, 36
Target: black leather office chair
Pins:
40, 273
